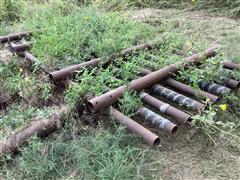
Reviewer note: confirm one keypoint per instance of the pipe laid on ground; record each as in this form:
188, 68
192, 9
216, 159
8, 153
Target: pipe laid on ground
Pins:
214, 88
33, 60
165, 108
230, 65
176, 97
19, 47
185, 88
13, 143
107, 99
157, 120
232, 83
135, 127
14, 37
69, 71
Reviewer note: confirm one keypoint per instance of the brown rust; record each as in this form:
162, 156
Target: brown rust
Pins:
19, 47
165, 108
14, 37
69, 71
107, 99
33, 60
157, 120
41, 128
231, 83
230, 65
185, 88
149, 137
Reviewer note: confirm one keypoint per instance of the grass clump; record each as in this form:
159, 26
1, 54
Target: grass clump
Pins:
83, 33
104, 155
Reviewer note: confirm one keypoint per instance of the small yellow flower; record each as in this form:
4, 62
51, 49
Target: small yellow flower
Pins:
125, 16
86, 18
223, 107
20, 70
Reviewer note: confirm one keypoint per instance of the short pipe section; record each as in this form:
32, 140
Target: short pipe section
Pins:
165, 108
157, 120
149, 137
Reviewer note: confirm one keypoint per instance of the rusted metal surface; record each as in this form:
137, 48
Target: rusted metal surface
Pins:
165, 108
69, 71
14, 37
33, 60
214, 88
107, 99
185, 88
19, 47
210, 52
149, 137
176, 97
230, 65
231, 83
157, 120
41, 128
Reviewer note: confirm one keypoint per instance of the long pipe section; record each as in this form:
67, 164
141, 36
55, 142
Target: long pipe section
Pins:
165, 108
14, 37
68, 71
149, 137
185, 88
176, 97
157, 120
107, 99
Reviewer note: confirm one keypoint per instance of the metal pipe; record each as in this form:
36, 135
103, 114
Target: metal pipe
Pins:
33, 60
232, 83
107, 99
230, 65
157, 120
69, 71
185, 88
135, 127
14, 37
19, 47
176, 97
165, 108
214, 88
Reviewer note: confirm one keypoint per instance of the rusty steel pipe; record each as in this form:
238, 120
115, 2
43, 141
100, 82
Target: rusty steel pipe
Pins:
230, 65
214, 88
195, 58
107, 99
19, 47
69, 71
165, 108
33, 60
157, 120
14, 37
176, 97
185, 88
149, 137
232, 83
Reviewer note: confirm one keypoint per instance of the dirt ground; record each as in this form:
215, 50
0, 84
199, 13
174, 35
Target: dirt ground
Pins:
190, 155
